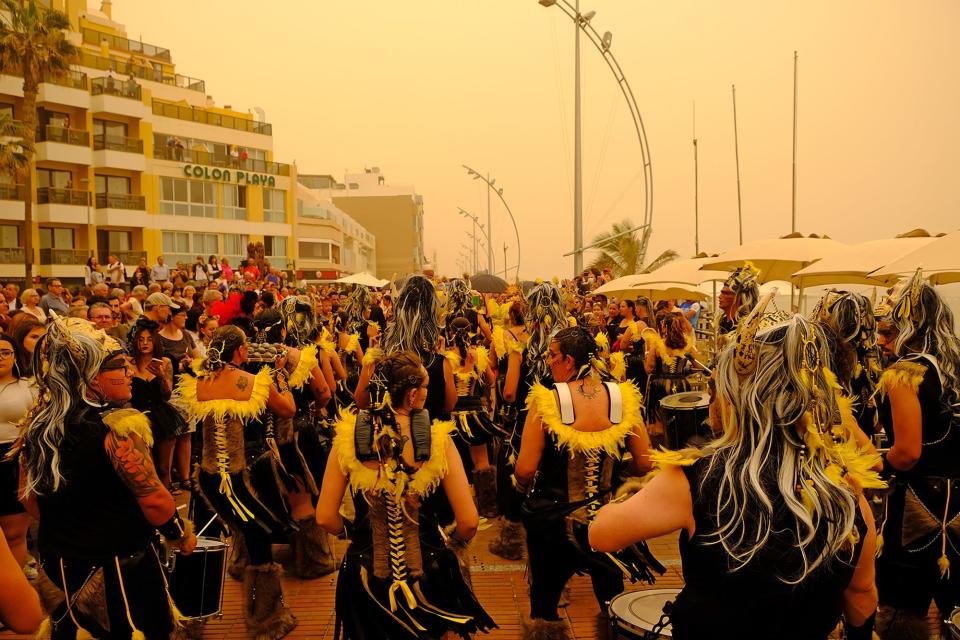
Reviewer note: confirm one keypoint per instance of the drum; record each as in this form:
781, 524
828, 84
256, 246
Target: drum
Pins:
196, 580
634, 615
953, 623
684, 415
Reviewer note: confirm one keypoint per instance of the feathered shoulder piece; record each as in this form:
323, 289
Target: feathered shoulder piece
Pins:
221, 409
327, 343
378, 480
609, 440
123, 422
505, 343
902, 372
303, 372
353, 343
667, 458
664, 352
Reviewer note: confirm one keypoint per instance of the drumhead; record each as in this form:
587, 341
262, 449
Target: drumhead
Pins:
641, 610
954, 625
686, 401
206, 545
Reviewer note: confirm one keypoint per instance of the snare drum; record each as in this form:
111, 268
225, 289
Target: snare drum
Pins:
953, 623
684, 415
196, 580
633, 615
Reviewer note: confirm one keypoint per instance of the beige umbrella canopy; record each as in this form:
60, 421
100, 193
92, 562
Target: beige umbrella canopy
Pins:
777, 259
366, 279
686, 270
939, 259
855, 264
623, 288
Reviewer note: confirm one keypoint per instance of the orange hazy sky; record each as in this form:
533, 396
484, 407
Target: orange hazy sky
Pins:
418, 88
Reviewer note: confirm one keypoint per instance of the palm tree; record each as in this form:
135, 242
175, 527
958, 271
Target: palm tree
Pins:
13, 157
625, 252
33, 44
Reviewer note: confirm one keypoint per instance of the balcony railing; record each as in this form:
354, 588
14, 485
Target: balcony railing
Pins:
12, 192
196, 114
119, 43
117, 143
51, 133
50, 195
120, 201
131, 67
115, 87
200, 156
63, 256
12, 255
128, 258
72, 79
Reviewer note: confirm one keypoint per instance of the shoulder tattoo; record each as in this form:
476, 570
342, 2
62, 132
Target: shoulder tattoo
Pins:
242, 382
132, 461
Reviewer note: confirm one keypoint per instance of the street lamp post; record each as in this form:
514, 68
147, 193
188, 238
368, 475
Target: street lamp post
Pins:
490, 182
476, 223
602, 43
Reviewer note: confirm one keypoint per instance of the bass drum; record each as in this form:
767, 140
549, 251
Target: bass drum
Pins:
636, 615
196, 580
684, 419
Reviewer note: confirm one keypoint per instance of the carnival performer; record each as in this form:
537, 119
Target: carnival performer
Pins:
87, 474
669, 351
738, 297
544, 317
304, 329
919, 409
629, 338
223, 397
400, 578
776, 539
356, 333
471, 415
294, 475
575, 435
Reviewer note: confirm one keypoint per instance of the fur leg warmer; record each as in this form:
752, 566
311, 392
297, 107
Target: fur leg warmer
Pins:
540, 629
485, 491
239, 557
510, 543
312, 550
267, 616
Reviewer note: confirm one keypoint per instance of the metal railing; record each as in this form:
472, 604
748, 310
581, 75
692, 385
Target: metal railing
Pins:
12, 192
117, 143
137, 70
12, 255
200, 156
119, 43
116, 87
72, 79
130, 259
63, 256
196, 114
50, 195
120, 201
51, 133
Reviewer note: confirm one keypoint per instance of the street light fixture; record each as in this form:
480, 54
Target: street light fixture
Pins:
490, 182
603, 44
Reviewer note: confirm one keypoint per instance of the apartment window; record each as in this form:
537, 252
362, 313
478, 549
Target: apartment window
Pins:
235, 244
275, 246
204, 244
184, 246
118, 240
119, 185
110, 128
176, 242
9, 236
54, 178
235, 201
320, 251
56, 238
6, 109
181, 197
274, 205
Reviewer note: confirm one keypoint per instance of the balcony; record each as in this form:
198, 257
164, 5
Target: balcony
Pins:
128, 258
119, 43
12, 255
120, 201
118, 152
199, 156
12, 197
68, 89
131, 67
203, 116
63, 206
63, 256
113, 87
12, 192
63, 145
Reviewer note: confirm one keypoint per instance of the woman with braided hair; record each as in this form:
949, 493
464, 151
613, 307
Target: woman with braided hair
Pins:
401, 578
776, 538
919, 410
574, 440
224, 397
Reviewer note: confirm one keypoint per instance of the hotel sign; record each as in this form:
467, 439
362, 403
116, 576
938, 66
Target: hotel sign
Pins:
226, 175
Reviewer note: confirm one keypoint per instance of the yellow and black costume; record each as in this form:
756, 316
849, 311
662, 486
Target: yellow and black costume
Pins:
669, 375
471, 415
399, 580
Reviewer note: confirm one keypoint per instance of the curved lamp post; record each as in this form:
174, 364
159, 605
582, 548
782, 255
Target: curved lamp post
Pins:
490, 182
476, 223
602, 44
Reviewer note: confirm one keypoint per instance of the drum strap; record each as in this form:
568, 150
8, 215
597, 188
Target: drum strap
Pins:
616, 402
567, 415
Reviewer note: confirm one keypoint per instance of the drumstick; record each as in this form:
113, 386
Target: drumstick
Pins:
697, 363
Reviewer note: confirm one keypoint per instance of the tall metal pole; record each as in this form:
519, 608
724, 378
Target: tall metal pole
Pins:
475, 263
489, 230
736, 150
505, 276
696, 188
793, 204
577, 170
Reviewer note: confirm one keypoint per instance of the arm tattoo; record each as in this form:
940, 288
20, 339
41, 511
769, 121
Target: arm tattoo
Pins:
242, 382
132, 461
